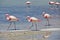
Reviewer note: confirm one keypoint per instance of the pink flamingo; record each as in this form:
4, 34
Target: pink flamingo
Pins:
33, 20
57, 4
11, 19
28, 4
47, 16
51, 3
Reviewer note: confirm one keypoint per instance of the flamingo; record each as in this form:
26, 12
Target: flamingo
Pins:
47, 16
51, 3
57, 4
11, 19
33, 20
28, 4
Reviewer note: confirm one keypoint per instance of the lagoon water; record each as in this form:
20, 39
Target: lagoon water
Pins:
36, 11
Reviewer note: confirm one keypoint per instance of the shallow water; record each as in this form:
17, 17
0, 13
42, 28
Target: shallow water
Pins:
21, 35
36, 11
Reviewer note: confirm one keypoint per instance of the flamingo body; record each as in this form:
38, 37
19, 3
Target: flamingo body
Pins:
28, 2
46, 15
12, 18
57, 3
51, 2
32, 19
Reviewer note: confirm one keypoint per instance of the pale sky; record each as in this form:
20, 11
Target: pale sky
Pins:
22, 2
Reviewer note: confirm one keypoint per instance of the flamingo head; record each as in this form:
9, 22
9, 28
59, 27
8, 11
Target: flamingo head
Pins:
43, 13
28, 17
6, 15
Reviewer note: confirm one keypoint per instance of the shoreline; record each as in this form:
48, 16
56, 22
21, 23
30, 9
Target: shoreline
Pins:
24, 34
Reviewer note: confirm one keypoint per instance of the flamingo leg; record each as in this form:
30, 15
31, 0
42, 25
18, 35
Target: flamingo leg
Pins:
31, 26
9, 25
57, 6
36, 26
48, 24
15, 25
28, 5
52, 6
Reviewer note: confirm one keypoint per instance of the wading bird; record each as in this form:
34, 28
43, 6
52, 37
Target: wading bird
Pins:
51, 3
57, 4
46, 16
34, 21
28, 3
11, 19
